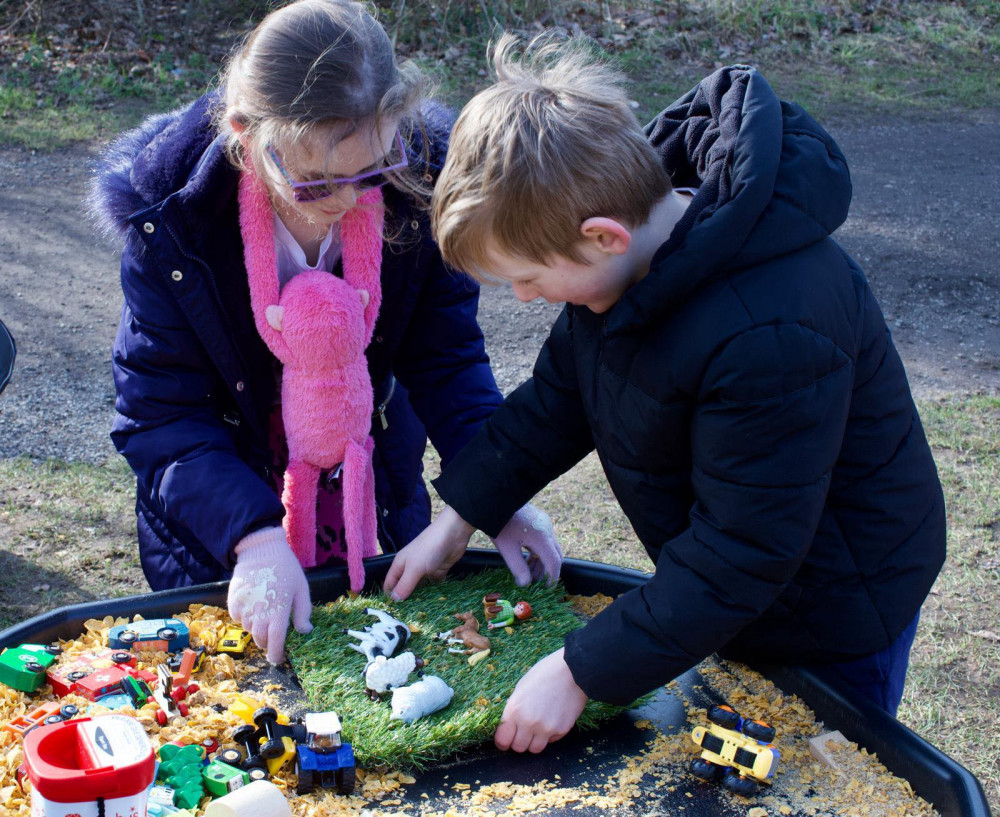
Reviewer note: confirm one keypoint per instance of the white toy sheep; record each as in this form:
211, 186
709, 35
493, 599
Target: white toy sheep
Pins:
422, 698
382, 638
384, 674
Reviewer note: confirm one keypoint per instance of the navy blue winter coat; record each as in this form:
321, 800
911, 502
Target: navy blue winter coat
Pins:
749, 409
195, 382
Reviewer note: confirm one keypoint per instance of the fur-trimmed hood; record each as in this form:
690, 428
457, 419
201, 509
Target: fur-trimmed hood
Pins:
180, 153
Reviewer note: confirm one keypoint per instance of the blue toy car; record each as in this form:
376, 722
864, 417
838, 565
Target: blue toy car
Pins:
325, 760
164, 634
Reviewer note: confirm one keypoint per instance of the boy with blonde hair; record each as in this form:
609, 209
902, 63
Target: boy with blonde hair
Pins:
725, 358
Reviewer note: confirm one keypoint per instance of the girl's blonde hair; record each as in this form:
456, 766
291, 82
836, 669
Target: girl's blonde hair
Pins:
315, 67
552, 143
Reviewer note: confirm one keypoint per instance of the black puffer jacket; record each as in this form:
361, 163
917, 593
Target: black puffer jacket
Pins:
749, 409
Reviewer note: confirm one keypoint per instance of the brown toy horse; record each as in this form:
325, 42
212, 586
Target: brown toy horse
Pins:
467, 634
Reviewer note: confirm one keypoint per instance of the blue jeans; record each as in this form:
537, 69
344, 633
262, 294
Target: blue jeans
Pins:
879, 677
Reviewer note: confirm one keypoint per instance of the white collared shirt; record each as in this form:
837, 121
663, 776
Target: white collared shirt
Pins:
291, 258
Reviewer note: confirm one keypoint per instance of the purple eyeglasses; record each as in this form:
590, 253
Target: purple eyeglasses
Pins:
324, 188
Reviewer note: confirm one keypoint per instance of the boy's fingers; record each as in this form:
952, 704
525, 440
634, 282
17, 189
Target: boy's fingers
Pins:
405, 584
258, 629
395, 571
505, 734
538, 742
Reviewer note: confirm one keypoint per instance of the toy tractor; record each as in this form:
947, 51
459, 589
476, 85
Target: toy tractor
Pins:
324, 759
735, 750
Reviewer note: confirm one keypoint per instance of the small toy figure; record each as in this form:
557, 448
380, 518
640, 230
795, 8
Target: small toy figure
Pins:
169, 697
324, 759
467, 634
422, 698
505, 614
384, 674
735, 750
383, 638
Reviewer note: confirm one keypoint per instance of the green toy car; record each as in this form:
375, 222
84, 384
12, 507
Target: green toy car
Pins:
221, 778
24, 667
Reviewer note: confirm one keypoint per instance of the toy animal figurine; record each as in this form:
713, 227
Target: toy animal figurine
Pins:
422, 698
505, 614
384, 674
385, 637
467, 634
318, 327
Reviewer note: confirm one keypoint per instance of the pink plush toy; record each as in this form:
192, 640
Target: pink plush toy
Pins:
319, 328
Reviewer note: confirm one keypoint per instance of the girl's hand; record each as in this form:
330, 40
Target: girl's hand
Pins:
530, 529
431, 555
268, 585
543, 707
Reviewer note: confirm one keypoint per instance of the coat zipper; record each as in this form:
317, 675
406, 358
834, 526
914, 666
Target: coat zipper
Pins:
380, 411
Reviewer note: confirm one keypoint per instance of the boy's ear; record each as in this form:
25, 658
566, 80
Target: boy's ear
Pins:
606, 235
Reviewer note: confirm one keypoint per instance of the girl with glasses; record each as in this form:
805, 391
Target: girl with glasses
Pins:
315, 124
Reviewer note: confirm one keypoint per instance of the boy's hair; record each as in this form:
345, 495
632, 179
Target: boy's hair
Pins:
552, 143
314, 66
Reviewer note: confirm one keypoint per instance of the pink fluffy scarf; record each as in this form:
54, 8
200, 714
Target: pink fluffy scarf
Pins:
318, 326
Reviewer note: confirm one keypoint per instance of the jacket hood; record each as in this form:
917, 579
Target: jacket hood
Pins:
770, 179
180, 152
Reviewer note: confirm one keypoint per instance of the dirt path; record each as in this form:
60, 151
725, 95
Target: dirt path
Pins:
923, 225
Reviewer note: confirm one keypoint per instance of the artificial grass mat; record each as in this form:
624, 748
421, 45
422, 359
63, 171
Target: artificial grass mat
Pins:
330, 671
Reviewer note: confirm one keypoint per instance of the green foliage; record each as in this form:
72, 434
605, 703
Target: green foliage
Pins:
330, 671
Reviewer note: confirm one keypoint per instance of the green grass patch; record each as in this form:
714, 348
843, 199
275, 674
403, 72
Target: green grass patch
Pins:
330, 671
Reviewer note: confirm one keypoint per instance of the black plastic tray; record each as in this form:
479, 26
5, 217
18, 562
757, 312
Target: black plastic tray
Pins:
582, 756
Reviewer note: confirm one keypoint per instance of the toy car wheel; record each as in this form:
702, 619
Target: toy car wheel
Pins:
243, 733
742, 786
161, 717
724, 716
304, 783
706, 770
183, 709
78, 675
128, 636
231, 756
121, 657
33, 666
255, 762
346, 779
68, 711
271, 749
53, 719
257, 774
166, 633
265, 714
52, 649
758, 730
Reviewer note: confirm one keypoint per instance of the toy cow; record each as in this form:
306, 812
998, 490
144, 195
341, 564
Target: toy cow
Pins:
385, 637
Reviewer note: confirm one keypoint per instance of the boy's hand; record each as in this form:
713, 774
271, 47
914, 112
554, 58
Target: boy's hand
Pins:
530, 529
268, 585
431, 555
544, 706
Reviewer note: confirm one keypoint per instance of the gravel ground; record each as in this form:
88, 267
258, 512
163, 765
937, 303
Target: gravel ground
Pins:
923, 225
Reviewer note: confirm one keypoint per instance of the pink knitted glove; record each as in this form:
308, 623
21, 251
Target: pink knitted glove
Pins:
530, 529
267, 585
